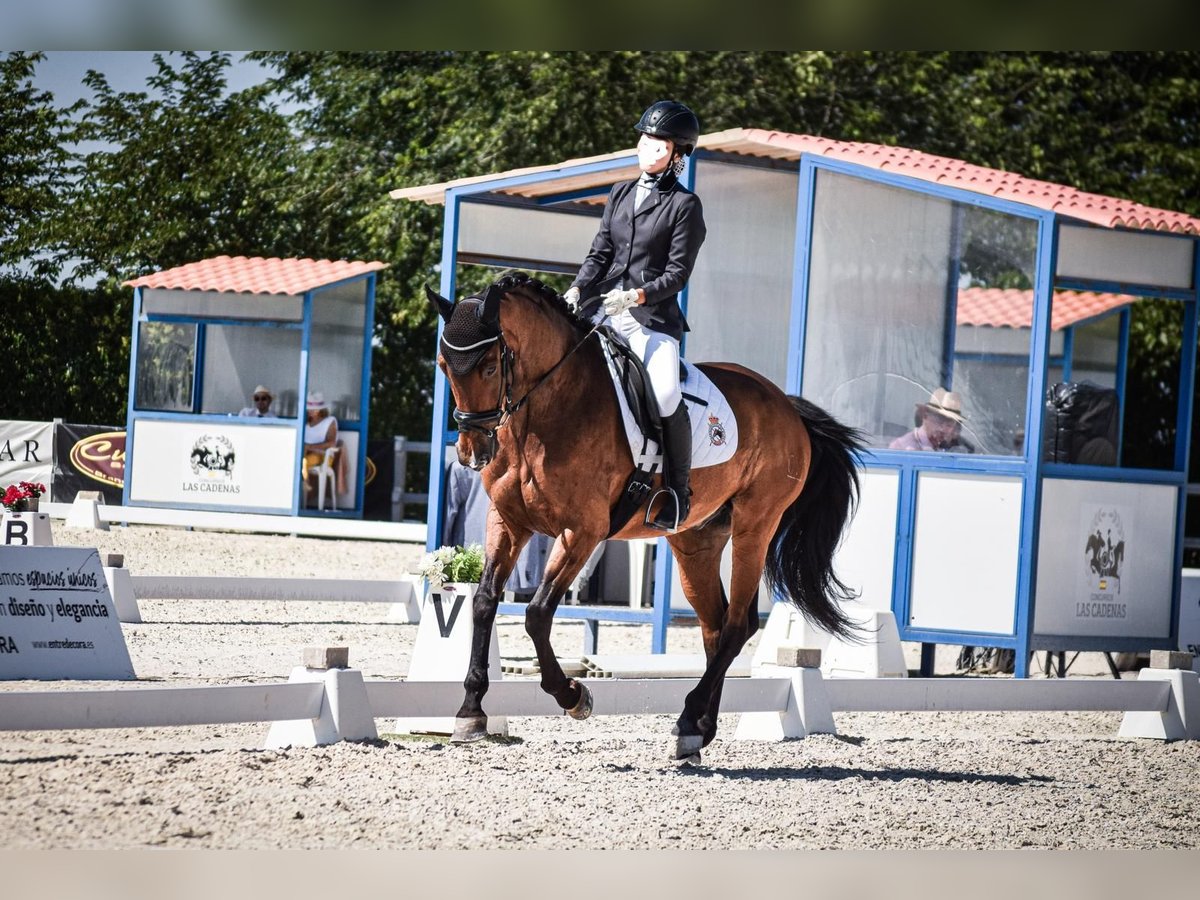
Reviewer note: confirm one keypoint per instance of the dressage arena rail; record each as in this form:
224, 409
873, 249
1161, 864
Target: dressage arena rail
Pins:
321, 706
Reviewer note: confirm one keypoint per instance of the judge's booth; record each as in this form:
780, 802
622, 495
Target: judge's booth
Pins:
866, 277
205, 336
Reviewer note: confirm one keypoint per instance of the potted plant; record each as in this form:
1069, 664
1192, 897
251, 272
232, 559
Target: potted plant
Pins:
22, 497
459, 566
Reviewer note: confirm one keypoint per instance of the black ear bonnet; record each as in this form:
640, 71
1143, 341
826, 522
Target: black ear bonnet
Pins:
467, 337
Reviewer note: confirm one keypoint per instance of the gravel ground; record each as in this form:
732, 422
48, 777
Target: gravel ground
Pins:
930, 780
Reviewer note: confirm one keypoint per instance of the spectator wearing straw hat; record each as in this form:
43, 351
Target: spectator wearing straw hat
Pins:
261, 404
940, 428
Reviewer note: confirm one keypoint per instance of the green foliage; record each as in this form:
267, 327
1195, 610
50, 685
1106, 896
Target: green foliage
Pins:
130, 182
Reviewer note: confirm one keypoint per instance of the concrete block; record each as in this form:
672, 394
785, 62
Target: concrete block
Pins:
345, 712
801, 657
808, 712
120, 588
1170, 659
326, 657
85, 512
1180, 720
407, 611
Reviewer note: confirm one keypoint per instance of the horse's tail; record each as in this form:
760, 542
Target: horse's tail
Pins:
800, 557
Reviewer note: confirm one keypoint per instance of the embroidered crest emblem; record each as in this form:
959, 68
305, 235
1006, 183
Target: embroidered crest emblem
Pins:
716, 431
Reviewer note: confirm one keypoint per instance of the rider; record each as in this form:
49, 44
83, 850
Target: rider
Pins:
640, 259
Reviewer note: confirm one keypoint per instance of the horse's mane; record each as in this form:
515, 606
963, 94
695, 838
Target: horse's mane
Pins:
523, 283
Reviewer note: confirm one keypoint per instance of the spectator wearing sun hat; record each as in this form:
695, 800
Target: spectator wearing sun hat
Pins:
320, 434
940, 428
261, 404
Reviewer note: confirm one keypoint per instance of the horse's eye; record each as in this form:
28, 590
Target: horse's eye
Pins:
489, 371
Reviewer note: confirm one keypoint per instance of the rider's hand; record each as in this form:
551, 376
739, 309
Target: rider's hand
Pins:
617, 301
572, 298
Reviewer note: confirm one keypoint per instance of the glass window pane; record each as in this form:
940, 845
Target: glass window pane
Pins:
166, 366
238, 358
740, 293
336, 348
1151, 400
908, 294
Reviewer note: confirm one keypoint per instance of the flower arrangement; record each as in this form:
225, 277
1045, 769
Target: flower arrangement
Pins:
460, 565
17, 496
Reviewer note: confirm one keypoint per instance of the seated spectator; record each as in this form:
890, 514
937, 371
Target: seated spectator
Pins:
940, 426
321, 435
261, 408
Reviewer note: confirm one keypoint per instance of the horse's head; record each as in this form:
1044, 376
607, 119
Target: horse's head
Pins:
479, 355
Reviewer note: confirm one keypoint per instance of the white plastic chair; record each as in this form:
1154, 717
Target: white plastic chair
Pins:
327, 475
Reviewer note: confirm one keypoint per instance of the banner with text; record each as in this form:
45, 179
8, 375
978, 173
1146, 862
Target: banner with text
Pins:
57, 619
88, 458
26, 452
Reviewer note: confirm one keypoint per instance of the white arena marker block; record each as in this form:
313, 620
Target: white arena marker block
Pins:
1180, 721
26, 529
85, 512
120, 587
407, 610
442, 652
345, 712
808, 711
878, 655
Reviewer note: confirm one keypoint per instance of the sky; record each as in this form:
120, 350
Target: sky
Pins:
62, 72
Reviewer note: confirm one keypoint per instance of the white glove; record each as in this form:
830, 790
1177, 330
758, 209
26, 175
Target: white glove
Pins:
572, 298
617, 301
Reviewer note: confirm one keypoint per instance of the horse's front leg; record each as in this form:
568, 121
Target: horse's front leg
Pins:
503, 547
571, 550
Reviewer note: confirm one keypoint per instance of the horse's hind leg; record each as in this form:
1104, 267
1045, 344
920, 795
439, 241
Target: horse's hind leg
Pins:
571, 551
698, 556
697, 724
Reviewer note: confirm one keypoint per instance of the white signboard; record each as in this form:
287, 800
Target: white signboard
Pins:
26, 452
1106, 559
966, 551
57, 619
250, 466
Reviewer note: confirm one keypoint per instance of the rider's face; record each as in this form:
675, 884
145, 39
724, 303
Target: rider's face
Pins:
654, 154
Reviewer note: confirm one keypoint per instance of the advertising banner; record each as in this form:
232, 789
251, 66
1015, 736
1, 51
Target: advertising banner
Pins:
57, 619
26, 452
217, 464
1106, 558
88, 458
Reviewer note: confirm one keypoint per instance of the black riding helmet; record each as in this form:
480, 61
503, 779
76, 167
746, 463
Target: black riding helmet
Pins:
672, 121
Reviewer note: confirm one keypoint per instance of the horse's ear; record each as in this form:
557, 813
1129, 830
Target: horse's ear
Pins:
490, 312
444, 307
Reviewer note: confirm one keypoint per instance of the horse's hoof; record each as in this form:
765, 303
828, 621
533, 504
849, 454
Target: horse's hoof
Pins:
468, 731
687, 748
583, 708
693, 760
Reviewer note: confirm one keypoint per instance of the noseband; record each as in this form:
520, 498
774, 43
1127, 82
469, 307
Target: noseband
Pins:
490, 421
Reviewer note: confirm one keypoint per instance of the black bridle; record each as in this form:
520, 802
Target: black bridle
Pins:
490, 421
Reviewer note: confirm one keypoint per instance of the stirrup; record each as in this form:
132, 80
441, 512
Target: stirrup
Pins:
655, 523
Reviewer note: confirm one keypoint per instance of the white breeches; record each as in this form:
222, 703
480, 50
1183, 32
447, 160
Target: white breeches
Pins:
660, 356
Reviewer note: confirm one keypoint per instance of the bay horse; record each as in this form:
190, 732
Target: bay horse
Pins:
539, 419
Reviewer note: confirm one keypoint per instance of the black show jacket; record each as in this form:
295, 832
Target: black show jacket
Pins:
653, 249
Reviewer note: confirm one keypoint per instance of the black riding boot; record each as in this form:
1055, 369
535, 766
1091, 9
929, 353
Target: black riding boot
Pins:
677, 436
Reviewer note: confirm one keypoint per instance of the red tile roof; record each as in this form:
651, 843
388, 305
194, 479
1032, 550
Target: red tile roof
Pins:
1098, 209
255, 275
1013, 308
1110, 212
